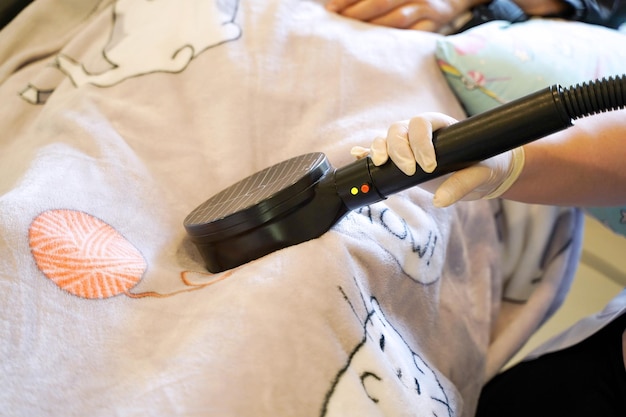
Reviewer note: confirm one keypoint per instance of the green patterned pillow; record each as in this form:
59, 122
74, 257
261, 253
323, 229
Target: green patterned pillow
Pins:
498, 61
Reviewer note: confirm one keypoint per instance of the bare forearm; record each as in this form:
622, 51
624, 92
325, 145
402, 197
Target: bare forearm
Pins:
584, 165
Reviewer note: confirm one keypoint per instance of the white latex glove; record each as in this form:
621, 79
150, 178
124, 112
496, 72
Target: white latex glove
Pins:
408, 142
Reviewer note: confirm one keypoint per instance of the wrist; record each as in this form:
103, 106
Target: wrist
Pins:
518, 159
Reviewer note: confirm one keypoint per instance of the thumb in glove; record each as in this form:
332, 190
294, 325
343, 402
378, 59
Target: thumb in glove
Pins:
410, 142
486, 180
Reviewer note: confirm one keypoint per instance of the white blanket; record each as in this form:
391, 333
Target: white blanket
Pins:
119, 118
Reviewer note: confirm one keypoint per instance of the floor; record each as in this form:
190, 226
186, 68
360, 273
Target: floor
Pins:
601, 275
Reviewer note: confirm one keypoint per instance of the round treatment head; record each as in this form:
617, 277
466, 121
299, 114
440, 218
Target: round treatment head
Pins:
260, 214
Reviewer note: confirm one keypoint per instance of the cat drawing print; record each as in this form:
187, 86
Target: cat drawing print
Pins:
150, 36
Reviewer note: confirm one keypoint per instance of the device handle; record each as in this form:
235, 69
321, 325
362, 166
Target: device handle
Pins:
480, 137
484, 135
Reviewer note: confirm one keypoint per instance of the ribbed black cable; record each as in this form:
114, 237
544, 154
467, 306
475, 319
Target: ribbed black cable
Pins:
595, 97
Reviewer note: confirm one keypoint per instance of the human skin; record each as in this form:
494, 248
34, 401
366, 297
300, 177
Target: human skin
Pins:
426, 15
580, 166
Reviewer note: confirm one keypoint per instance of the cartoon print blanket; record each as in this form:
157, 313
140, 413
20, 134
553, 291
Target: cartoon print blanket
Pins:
120, 117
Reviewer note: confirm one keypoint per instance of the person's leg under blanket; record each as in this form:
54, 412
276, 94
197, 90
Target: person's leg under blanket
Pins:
586, 379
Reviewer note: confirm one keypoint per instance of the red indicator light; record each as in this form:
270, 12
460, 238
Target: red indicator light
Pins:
365, 188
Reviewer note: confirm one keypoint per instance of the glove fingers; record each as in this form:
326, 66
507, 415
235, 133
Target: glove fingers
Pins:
359, 152
464, 184
399, 149
378, 151
420, 134
408, 143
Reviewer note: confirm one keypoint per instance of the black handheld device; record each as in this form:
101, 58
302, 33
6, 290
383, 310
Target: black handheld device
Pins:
303, 197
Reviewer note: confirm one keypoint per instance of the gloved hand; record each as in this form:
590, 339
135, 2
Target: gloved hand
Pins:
410, 141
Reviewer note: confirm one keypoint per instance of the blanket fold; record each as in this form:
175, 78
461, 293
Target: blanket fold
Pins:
134, 112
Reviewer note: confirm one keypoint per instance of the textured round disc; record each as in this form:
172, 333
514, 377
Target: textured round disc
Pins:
255, 199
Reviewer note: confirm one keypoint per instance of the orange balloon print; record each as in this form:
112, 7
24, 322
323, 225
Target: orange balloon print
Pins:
83, 255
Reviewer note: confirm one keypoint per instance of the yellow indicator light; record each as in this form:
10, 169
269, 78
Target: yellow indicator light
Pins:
354, 191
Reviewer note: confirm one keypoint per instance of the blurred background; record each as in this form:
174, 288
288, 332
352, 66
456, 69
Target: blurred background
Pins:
601, 276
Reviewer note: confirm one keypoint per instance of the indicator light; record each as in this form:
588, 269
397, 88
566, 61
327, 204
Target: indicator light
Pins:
365, 188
